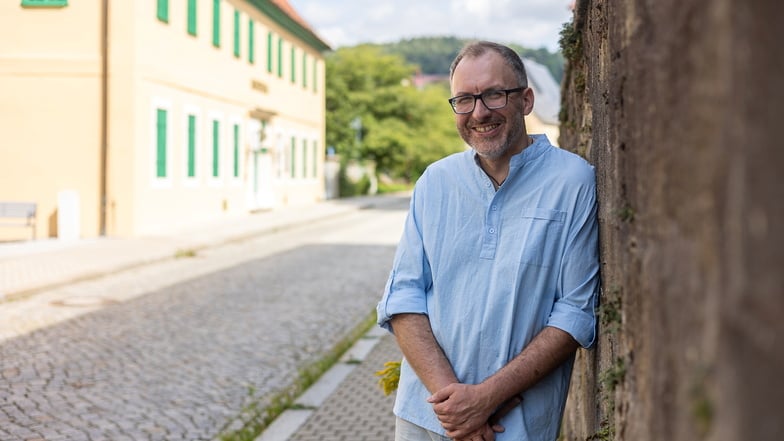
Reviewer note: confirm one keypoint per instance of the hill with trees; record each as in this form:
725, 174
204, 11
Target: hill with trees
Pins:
433, 55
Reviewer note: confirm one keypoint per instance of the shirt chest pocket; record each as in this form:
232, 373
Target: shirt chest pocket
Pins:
540, 235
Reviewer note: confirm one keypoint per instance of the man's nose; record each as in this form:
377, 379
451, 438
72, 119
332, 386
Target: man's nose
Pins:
480, 108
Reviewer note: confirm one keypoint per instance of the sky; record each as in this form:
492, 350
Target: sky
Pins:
529, 23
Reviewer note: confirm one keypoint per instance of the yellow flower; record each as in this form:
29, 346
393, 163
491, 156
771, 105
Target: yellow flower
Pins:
390, 376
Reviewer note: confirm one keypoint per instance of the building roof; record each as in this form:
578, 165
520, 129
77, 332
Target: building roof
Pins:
285, 15
547, 93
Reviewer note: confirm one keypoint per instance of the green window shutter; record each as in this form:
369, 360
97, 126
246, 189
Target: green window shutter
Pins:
163, 10
314, 168
293, 166
45, 3
293, 64
304, 69
304, 158
236, 33
191, 146
251, 42
216, 7
280, 57
236, 151
269, 52
160, 145
315, 75
192, 17
215, 148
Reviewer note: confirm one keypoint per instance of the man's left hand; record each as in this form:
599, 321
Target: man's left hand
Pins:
461, 409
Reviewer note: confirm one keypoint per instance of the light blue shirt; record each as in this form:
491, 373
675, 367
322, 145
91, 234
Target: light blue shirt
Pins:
492, 268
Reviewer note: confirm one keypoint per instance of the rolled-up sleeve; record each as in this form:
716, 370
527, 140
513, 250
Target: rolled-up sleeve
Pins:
410, 278
574, 308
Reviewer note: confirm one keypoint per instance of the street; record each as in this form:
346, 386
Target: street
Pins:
175, 350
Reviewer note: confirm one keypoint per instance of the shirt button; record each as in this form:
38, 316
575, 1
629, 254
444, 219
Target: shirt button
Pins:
494, 207
491, 230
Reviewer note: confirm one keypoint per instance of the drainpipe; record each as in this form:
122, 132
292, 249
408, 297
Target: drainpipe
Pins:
104, 112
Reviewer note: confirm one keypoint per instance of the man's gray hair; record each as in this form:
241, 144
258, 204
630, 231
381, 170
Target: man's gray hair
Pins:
478, 48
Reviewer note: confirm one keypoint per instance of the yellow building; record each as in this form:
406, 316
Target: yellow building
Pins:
127, 118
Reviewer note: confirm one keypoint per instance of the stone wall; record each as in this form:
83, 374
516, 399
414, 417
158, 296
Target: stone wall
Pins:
677, 104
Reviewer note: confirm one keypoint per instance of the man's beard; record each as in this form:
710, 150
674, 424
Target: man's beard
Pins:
497, 147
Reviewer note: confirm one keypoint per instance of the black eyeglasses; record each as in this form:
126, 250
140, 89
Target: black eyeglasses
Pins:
492, 99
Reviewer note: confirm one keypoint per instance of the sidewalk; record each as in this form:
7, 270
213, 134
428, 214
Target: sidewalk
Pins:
32, 266
346, 403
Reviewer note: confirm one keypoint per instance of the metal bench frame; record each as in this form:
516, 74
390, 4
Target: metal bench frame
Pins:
22, 212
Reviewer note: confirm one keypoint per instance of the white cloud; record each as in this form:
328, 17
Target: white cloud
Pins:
531, 23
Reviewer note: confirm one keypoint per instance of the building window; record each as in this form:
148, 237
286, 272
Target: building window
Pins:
45, 3
161, 123
269, 52
236, 33
215, 148
191, 146
280, 57
163, 10
236, 150
251, 42
192, 17
293, 164
216, 6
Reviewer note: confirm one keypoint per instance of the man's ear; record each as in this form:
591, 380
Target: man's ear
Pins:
528, 101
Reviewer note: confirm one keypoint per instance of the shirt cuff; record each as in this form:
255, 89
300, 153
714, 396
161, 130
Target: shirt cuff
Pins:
578, 323
407, 301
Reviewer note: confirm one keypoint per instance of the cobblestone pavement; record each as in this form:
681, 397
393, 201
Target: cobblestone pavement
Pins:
175, 350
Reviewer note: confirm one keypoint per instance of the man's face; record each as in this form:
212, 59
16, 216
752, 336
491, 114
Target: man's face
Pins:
492, 133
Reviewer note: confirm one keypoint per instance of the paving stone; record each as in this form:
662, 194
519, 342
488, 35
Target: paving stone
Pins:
357, 409
175, 360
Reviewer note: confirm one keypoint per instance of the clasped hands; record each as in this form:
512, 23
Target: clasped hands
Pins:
467, 414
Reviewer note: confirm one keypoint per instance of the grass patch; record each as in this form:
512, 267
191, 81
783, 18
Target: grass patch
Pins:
257, 416
393, 187
185, 253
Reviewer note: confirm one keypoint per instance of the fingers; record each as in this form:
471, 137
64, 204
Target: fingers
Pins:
505, 409
440, 395
484, 433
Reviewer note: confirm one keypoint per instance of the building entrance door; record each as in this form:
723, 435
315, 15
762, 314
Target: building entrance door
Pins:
260, 185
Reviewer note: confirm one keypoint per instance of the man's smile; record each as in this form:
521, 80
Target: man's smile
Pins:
486, 128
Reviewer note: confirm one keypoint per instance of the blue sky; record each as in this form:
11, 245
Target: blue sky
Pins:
530, 23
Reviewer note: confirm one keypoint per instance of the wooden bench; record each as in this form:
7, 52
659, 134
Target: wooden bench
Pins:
18, 214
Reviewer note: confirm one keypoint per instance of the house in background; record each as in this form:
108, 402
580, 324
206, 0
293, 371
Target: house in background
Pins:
547, 101
128, 118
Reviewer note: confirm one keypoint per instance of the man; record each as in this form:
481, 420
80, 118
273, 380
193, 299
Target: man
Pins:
494, 281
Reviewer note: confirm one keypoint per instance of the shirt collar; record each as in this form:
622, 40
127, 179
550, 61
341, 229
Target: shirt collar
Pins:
531, 152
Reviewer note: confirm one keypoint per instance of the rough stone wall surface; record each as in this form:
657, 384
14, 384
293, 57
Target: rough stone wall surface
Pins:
677, 104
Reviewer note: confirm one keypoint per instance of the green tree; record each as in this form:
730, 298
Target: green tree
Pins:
401, 128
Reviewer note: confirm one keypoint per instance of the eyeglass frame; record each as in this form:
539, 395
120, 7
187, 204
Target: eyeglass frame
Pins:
478, 96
